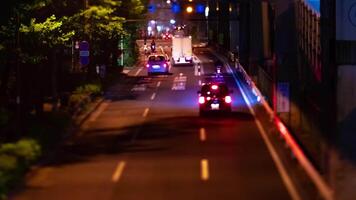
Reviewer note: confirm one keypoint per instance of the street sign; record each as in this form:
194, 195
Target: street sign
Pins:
84, 53
283, 104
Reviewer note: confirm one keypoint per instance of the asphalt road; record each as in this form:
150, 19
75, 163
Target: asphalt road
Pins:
147, 141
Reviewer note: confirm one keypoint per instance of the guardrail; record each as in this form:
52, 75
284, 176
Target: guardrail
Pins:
325, 191
323, 188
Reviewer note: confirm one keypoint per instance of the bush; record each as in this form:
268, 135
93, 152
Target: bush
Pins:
15, 159
27, 150
88, 89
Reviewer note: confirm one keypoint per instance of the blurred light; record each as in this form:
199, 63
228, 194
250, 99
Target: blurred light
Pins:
190, 0
201, 100
230, 8
189, 9
168, 1
147, 65
153, 22
214, 87
200, 8
151, 8
172, 21
149, 28
206, 11
208, 98
159, 28
175, 8
228, 99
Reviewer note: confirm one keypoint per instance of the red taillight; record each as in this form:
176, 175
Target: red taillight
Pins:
228, 99
147, 65
164, 65
201, 100
214, 87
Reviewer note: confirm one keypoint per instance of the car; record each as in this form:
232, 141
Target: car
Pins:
157, 64
214, 97
166, 36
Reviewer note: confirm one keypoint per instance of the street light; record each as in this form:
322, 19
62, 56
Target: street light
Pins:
172, 21
189, 9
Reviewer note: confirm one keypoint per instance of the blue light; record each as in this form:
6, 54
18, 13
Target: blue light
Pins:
175, 8
151, 8
200, 8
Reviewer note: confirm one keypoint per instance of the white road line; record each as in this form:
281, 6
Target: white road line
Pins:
159, 83
98, 112
138, 71
202, 134
118, 171
153, 96
281, 168
204, 165
145, 113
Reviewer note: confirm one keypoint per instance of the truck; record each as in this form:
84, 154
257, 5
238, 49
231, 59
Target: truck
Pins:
182, 53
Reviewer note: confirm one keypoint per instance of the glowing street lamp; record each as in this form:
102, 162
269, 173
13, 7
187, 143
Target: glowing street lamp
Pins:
189, 9
172, 21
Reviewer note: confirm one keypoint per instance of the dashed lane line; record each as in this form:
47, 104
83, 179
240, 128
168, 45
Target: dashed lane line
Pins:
118, 171
202, 134
145, 113
159, 83
153, 96
204, 165
138, 71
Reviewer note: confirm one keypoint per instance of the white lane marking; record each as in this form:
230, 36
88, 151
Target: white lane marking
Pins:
98, 112
281, 168
204, 165
118, 171
179, 82
138, 71
145, 113
153, 96
159, 83
139, 88
202, 134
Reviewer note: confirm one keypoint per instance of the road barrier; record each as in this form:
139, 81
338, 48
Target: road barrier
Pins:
323, 188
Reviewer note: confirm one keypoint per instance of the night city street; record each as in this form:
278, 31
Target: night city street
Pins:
178, 99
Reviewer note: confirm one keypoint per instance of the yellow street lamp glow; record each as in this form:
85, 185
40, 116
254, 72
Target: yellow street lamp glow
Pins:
189, 9
190, 0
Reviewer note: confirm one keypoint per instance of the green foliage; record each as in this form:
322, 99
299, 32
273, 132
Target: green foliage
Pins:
15, 159
88, 89
76, 100
27, 150
48, 32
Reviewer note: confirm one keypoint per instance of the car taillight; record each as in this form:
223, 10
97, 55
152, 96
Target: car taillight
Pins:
165, 65
228, 99
201, 100
147, 65
214, 87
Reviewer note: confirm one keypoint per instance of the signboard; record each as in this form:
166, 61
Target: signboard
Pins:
283, 104
346, 20
84, 53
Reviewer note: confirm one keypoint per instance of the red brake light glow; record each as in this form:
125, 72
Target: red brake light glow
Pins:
165, 65
201, 100
228, 99
147, 65
214, 87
